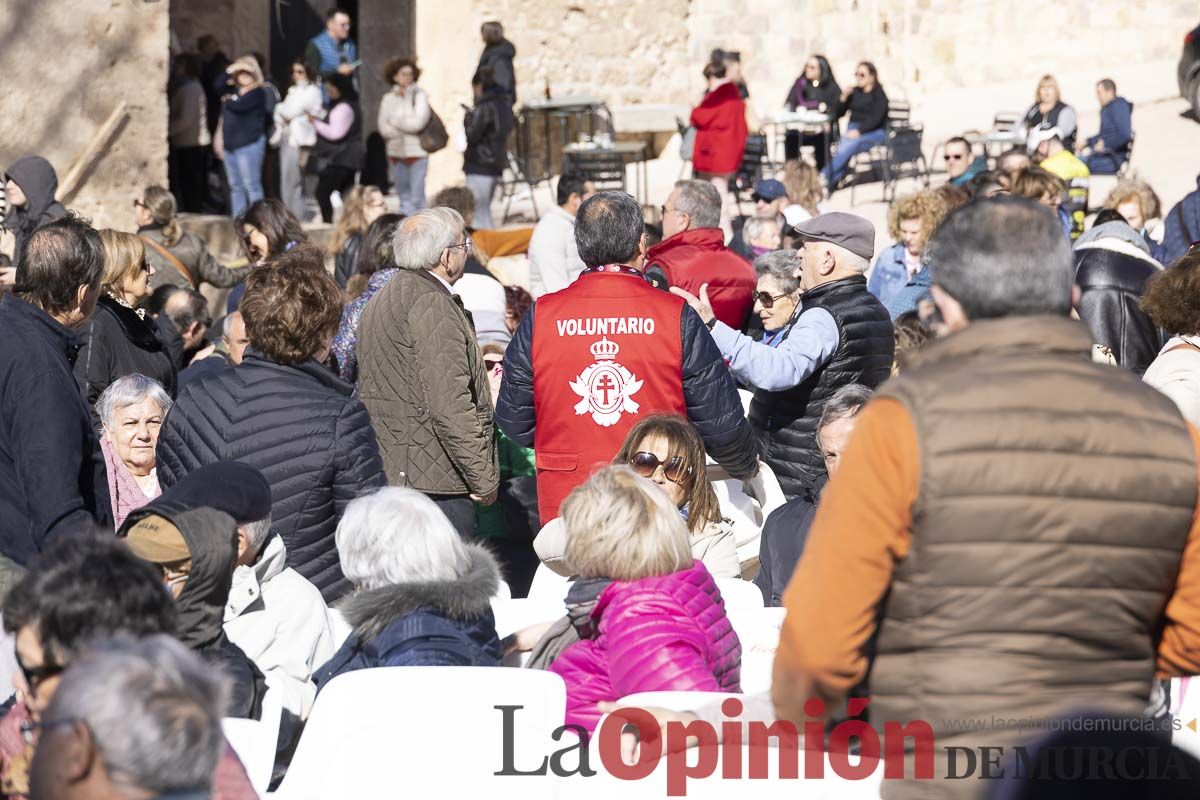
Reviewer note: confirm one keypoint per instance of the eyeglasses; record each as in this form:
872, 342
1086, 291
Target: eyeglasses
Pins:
956, 156
860, 74
36, 676
491, 363
767, 299
138, 204
463, 245
646, 464
173, 576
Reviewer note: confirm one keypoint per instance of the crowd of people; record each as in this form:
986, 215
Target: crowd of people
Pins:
984, 435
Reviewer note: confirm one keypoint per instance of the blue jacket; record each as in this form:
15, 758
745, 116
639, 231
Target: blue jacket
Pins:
1181, 228
911, 294
245, 118
52, 479
977, 166
422, 624
1116, 127
890, 274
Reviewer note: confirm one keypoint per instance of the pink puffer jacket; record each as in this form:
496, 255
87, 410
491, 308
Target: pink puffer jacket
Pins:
667, 633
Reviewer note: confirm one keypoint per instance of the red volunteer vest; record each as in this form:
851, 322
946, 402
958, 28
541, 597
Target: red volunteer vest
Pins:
606, 352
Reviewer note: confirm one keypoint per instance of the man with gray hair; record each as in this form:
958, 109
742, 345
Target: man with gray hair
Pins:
228, 352
131, 720
1013, 531
693, 253
421, 374
840, 334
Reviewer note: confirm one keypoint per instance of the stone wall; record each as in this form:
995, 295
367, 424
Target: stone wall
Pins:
67, 64
241, 26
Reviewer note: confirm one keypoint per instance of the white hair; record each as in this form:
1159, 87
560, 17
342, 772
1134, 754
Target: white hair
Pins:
256, 532
850, 260
398, 535
421, 238
129, 390
154, 710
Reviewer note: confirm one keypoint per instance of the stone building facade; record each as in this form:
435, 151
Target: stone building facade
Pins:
67, 64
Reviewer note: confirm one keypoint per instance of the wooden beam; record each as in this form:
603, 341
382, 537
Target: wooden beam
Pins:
92, 153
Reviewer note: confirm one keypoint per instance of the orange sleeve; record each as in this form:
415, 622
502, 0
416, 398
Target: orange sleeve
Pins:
1179, 647
860, 532
505, 242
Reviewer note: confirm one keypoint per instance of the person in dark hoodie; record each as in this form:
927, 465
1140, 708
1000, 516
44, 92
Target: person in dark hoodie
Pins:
29, 187
1112, 265
195, 547
423, 594
498, 54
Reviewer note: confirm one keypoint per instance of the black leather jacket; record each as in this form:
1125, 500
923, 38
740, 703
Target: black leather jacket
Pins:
487, 126
1111, 283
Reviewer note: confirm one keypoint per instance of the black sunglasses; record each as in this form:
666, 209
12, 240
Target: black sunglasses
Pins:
35, 676
767, 299
646, 464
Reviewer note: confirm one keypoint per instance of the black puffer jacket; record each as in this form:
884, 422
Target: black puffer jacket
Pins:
303, 428
1111, 275
117, 343
487, 126
787, 420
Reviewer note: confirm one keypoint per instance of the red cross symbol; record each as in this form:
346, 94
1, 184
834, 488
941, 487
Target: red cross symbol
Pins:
605, 385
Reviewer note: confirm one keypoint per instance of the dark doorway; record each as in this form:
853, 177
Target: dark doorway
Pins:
293, 23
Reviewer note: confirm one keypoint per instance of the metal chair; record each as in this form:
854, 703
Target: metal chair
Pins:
605, 169
754, 167
900, 156
513, 177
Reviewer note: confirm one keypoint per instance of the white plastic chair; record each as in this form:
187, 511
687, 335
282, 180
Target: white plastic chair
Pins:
739, 595
747, 512
756, 671
255, 741
757, 628
382, 733
514, 613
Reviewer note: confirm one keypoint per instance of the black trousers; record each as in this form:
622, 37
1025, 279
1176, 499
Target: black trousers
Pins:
188, 177
459, 509
332, 179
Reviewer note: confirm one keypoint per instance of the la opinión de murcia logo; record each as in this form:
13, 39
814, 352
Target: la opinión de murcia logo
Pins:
854, 749
606, 388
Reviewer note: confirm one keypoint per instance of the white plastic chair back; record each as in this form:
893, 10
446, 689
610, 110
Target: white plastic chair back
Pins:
338, 625
739, 595
673, 701
255, 741
514, 613
428, 731
548, 585
757, 628
1185, 706
756, 671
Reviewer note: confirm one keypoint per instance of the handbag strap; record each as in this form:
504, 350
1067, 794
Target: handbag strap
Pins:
171, 259
1183, 346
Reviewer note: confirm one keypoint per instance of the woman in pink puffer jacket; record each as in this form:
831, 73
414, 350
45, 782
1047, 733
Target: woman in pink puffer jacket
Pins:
660, 625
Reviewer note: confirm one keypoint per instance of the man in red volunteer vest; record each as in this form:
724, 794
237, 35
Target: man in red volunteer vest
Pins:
587, 362
694, 253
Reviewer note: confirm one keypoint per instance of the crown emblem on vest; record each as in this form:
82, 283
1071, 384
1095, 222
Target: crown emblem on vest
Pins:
604, 350
606, 388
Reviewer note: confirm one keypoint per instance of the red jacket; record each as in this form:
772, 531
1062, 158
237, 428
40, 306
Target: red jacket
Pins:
698, 256
606, 351
720, 122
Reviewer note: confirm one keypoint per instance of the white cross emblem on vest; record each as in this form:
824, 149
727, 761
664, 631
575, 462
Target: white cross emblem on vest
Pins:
606, 388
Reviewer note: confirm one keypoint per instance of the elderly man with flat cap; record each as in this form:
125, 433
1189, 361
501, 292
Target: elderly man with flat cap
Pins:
838, 335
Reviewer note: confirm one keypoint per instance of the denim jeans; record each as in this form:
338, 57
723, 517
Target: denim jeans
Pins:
408, 182
291, 180
243, 167
1104, 163
847, 149
483, 187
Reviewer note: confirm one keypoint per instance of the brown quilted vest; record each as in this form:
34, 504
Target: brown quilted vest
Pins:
1055, 499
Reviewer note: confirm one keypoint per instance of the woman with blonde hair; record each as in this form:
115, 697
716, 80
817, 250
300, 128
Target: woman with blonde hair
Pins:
1138, 203
804, 191
178, 257
243, 136
658, 622
911, 220
1043, 187
1049, 111
361, 206
120, 339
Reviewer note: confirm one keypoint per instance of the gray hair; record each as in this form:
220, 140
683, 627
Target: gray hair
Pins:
845, 403
398, 535
755, 227
850, 260
421, 238
782, 265
127, 391
701, 201
257, 532
154, 710
1003, 256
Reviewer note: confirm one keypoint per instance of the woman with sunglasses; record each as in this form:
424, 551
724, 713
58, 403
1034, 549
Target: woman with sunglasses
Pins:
121, 339
867, 105
296, 136
777, 295
816, 90
665, 449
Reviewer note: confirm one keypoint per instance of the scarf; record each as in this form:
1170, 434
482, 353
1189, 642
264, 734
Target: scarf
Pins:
123, 488
576, 626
